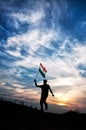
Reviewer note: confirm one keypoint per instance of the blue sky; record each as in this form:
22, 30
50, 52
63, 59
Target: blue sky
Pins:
51, 32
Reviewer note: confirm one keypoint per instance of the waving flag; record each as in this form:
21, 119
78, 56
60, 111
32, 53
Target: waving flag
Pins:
42, 70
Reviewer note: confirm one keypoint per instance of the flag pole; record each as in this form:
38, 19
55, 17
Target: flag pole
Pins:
37, 74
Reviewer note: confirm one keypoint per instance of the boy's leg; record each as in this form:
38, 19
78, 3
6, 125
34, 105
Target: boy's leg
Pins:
46, 105
41, 104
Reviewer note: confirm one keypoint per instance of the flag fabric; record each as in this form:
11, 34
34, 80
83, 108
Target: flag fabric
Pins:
42, 70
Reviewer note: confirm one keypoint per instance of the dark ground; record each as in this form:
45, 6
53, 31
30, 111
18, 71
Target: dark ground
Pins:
19, 117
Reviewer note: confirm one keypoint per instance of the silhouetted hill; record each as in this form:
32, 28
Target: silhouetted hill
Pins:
19, 117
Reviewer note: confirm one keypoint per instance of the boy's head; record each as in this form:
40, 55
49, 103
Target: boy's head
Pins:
44, 81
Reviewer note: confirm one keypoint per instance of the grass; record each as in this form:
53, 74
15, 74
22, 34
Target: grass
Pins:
19, 117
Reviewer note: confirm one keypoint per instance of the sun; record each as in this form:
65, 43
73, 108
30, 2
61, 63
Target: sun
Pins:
61, 104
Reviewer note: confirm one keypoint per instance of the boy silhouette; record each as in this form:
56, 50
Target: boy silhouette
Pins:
45, 88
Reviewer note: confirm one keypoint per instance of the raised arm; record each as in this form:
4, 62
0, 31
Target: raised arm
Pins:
36, 83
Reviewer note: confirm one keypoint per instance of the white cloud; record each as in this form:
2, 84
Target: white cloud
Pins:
63, 67
31, 17
79, 52
31, 41
14, 53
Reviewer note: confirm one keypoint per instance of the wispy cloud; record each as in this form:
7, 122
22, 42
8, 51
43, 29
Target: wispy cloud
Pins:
32, 17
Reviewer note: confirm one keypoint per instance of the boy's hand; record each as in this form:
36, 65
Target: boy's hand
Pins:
53, 95
34, 80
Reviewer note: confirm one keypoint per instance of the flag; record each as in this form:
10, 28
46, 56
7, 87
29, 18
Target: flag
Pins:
42, 70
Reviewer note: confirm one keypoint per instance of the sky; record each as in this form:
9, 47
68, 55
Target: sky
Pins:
51, 32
